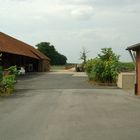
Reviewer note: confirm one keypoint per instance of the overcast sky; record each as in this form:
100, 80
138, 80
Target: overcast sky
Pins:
72, 24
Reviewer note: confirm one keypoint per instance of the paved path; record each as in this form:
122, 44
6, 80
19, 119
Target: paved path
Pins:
58, 106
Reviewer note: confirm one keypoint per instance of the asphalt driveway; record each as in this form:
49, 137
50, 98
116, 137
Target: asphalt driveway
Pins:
61, 106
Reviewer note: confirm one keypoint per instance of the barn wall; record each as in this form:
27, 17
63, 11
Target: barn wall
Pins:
44, 66
30, 64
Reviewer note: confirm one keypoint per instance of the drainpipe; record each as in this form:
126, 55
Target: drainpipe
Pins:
133, 56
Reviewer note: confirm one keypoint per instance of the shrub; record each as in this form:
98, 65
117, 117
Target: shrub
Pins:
94, 68
9, 80
7, 84
13, 70
104, 68
89, 65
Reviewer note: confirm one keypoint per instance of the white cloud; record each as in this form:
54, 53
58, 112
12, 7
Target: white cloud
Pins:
111, 23
82, 12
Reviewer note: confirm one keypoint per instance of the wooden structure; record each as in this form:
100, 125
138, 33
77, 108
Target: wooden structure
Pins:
16, 52
134, 51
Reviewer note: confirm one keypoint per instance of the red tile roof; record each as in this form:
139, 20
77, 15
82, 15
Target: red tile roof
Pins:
11, 45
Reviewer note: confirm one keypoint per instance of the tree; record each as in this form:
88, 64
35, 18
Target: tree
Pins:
107, 55
84, 56
104, 68
50, 51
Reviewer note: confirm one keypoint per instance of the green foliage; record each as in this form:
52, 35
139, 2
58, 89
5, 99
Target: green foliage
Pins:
90, 64
126, 66
104, 68
7, 85
108, 55
13, 70
94, 68
50, 51
9, 80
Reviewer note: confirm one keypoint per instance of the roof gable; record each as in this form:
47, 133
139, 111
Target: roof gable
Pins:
11, 45
134, 47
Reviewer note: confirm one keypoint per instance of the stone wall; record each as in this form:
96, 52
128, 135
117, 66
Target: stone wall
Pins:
126, 80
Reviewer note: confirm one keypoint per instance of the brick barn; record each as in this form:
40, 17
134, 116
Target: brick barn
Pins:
134, 51
16, 52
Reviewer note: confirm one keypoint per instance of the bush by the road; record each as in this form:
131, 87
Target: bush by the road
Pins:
103, 68
7, 84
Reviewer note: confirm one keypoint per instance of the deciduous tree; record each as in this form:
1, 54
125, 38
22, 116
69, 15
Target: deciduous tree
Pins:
50, 51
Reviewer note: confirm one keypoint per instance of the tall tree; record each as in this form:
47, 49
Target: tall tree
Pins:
84, 55
50, 51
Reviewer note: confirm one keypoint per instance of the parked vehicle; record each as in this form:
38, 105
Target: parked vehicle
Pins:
79, 68
21, 70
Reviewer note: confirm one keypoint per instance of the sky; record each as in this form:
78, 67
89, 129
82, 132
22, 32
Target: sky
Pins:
71, 25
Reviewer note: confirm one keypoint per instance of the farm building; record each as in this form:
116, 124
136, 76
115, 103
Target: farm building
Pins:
134, 51
16, 52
